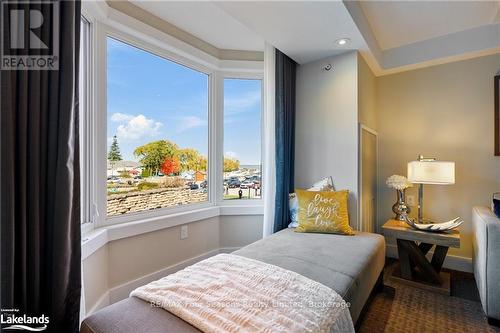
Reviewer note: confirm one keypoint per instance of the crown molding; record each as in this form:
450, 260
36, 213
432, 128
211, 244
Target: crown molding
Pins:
128, 8
467, 44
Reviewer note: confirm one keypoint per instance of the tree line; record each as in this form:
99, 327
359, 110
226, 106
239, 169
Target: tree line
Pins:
167, 157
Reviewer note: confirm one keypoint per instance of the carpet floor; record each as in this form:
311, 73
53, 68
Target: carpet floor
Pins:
402, 308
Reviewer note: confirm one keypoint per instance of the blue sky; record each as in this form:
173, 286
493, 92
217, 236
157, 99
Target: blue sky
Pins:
150, 98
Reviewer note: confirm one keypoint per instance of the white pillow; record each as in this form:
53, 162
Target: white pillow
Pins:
293, 205
325, 184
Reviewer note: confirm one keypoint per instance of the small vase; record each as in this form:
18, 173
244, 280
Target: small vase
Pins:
400, 208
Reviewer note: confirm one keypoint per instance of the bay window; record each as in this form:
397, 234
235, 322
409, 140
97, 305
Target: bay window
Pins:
165, 130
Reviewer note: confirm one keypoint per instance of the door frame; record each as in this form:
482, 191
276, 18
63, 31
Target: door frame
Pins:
370, 130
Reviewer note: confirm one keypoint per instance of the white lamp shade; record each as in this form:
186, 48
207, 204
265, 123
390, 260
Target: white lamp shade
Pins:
431, 172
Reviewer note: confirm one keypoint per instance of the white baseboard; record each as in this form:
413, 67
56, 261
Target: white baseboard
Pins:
457, 263
122, 291
229, 249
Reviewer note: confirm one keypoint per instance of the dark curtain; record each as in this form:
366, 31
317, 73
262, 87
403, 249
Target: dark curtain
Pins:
285, 137
40, 180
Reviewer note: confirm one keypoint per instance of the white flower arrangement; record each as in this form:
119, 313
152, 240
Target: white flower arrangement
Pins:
398, 182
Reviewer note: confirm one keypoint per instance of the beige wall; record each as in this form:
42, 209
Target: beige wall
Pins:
133, 257
444, 111
95, 277
326, 135
367, 115
237, 231
367, 95
124, 260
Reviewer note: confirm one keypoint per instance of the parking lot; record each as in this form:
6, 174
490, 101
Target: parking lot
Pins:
232, 193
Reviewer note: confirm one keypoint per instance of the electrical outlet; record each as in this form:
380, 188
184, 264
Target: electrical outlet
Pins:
184, 231
410, 200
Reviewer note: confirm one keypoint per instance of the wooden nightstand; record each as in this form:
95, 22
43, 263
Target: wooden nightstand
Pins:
413, 245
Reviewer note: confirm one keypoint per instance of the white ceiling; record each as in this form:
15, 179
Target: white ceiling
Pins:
206, 21
398, 23
405, 35
391, 35
305, 31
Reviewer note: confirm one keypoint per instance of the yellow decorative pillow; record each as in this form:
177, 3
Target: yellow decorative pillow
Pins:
324, 211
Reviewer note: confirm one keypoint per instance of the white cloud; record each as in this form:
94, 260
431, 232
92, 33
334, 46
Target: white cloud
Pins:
242, 102
231, 154
118, 117
189, 122
137, 127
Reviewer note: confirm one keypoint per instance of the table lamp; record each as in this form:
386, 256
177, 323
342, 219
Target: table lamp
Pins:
429, 171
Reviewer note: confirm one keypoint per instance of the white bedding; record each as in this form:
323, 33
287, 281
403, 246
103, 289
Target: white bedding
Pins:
230, 293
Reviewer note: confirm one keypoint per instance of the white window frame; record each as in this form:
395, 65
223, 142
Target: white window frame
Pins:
106, 22
86, 134
101, 184
220, 196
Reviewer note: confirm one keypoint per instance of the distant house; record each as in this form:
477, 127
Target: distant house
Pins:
114, 168
187, 175
196, 176
200, 176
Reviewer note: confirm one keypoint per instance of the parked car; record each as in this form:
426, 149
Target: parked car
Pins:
203, 184
194, 186
234, 183
113, 179
256, 184
247, 184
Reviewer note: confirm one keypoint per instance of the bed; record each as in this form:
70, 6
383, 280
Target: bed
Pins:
350, 265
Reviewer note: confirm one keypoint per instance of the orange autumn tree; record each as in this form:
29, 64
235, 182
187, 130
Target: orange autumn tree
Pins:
171, 166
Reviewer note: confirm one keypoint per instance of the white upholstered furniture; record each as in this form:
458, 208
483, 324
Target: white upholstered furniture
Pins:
486, 260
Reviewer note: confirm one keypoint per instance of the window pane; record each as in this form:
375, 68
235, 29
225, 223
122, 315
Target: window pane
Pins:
157, 123
242, 139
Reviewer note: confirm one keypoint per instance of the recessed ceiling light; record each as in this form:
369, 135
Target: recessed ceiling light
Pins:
342, 41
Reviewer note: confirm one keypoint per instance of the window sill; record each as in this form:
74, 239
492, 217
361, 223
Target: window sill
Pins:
95, 239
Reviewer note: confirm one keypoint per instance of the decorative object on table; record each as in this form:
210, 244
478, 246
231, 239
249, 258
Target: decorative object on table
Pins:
400, 184
429, 171
495, 204
413, 245
435, 227
497, 115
